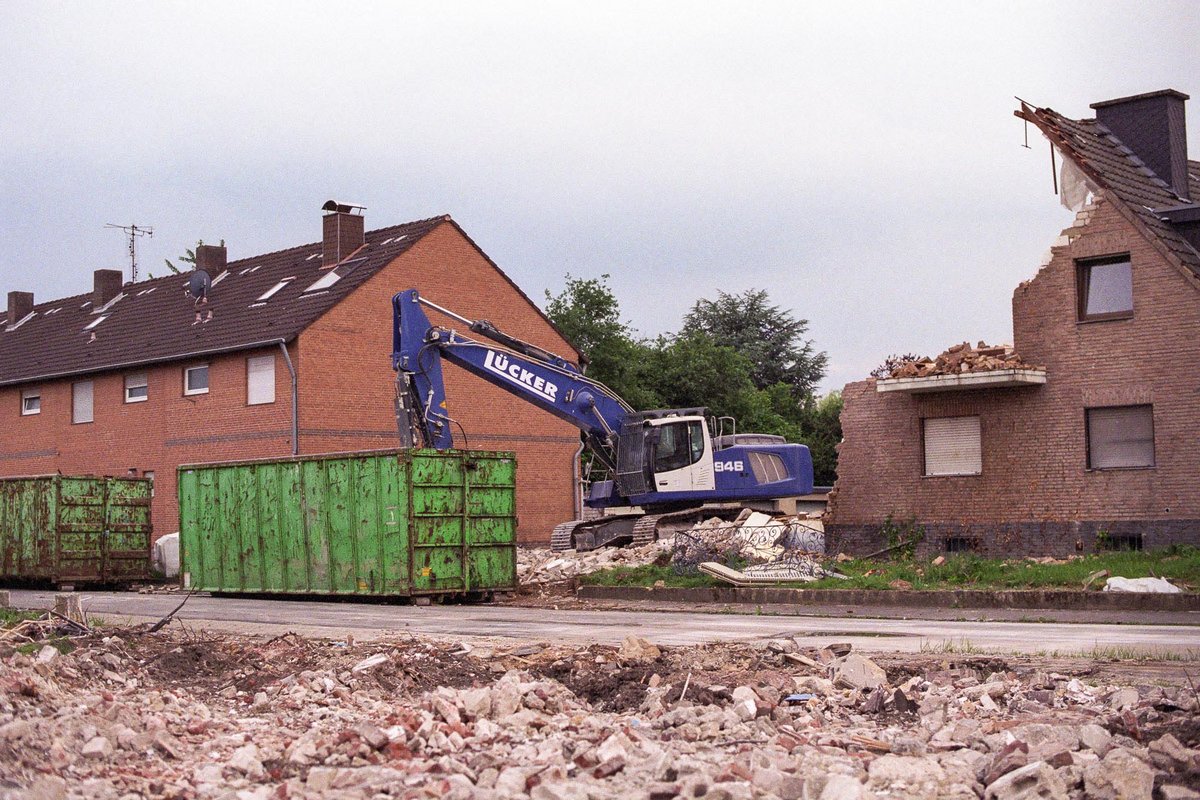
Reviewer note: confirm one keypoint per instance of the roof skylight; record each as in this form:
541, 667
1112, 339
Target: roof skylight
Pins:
95, 322
219, 278
109, 304
274, 289
325, 281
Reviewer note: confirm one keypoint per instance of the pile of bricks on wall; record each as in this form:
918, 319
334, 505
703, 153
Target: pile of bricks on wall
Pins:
958, 359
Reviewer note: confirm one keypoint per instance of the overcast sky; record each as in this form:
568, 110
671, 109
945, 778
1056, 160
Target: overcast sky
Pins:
859, 161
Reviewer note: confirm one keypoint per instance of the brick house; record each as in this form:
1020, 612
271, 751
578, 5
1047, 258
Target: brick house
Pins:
295, 360
1102, 447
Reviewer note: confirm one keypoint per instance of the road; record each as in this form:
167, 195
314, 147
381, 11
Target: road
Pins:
516, 624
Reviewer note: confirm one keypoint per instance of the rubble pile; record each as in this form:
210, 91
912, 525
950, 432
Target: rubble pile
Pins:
962, 358
541, 565
169, 715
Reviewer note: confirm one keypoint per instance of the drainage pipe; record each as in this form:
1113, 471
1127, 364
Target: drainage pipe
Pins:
287, 359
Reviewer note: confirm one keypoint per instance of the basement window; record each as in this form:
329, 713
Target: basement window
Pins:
31, 402
269, 293
1118, 541
81, 402
137, 390
1120, 437
1105, 288
952, 446
195, 380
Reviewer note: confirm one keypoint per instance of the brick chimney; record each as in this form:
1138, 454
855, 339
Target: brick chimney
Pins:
343, 232
107, 286
211, 258
1152, 126
19, 306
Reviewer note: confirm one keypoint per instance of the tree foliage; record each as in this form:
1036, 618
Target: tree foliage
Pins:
771, 337
739, 356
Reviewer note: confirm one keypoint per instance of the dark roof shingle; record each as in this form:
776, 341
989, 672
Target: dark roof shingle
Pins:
153, 321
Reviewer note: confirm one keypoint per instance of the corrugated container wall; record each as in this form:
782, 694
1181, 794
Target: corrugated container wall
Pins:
380, 523
70, 529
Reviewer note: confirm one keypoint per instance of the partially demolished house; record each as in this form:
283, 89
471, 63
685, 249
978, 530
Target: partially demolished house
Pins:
288, 354
1084, 436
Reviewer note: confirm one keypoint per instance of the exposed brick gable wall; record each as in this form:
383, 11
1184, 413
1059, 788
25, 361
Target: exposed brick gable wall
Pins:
1035, 493
355, 338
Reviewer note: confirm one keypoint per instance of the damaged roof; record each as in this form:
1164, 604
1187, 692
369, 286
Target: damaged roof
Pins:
152, 321
1113, 167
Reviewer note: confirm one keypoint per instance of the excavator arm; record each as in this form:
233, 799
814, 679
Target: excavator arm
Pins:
537, 376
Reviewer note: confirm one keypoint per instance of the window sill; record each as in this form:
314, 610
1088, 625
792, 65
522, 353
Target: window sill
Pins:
30, 413
1121, 469
194, 392
957, 475
1113, 318
129, 400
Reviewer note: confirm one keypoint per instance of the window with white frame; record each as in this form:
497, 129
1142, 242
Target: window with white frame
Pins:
952, 446
1120, 437
137, 389
195, 379
260, 380
81, 402
31, 402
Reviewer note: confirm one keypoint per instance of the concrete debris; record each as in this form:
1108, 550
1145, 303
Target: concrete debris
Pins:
181, 715
962, 358
1141, 585
537, 565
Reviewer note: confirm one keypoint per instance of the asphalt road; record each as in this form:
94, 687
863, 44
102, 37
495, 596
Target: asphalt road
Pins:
516, 624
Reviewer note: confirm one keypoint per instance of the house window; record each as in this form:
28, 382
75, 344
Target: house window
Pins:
260, 380
81, 402
952, 446
195, 380
31, 402
149, 475
136, 388
1105, 289
1120, 437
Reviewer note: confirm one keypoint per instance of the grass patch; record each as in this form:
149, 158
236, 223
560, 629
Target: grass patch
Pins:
61, 644
10, 617
646, 575
1179, 564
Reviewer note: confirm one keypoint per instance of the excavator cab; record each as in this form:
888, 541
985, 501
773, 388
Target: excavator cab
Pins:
665, 452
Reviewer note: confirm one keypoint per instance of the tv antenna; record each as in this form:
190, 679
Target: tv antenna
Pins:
133, 231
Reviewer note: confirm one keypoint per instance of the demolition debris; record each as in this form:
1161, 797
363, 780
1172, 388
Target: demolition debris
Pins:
961, 358
193, 715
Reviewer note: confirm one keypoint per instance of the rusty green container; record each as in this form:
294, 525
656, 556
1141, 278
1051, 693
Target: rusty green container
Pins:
75, 529
390, 523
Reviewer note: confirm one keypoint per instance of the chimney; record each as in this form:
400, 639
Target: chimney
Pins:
211, 258
1152, 126
343, 232
107, 286
19, 306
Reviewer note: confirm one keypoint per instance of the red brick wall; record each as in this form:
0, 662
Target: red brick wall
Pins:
347, 383
1035, 475
157, 435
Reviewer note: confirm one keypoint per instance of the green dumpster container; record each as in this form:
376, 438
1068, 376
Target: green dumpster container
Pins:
75, 529
379, 523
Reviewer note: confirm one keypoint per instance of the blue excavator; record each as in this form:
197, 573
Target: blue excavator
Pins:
667, 468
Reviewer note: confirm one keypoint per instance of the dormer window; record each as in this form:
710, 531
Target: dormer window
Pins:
1105, 288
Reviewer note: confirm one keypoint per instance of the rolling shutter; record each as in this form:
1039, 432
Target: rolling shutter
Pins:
952, 446
81, 402
260, 380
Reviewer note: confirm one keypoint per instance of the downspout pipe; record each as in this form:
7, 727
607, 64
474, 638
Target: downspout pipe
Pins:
287, 359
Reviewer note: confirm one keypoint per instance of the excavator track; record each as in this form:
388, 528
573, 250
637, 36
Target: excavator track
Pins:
651, 527
563, 536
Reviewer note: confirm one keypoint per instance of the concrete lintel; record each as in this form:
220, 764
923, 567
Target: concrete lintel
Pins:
991, 379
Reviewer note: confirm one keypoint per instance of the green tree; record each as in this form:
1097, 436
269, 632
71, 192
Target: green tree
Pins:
821, 429
771, 337
588, 314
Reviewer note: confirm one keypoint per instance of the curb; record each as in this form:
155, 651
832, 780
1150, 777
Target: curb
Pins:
1055, 599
